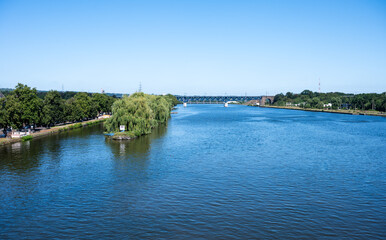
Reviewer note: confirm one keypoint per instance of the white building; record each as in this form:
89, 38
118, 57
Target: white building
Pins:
328, 105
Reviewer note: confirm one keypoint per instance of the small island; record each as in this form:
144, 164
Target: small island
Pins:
137, 114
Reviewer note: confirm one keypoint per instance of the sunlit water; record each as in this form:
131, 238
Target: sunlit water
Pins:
212, 173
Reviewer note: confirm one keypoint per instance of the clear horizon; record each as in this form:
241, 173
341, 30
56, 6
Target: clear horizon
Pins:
194, 47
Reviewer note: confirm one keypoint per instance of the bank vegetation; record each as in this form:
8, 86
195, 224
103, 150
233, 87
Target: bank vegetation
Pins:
333, 100
23, 107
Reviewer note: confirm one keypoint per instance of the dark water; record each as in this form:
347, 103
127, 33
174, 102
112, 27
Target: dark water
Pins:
212, 173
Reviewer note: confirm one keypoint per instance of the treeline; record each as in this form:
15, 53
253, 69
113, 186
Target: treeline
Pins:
139, 113
23, 106
309, 99
41, 94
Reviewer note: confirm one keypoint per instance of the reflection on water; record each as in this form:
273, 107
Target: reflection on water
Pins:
19, 156
131, 156
23, 156
137, 148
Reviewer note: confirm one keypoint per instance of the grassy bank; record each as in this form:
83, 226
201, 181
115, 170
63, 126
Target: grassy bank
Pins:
340, 111
53, 130
123, 136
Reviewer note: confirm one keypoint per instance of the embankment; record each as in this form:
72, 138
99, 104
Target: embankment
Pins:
350, 112
53, 130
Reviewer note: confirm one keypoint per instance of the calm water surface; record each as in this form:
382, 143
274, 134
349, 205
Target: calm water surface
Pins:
211, 173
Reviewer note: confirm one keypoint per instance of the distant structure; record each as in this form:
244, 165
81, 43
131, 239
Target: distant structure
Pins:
1, 95
140, 87
257, 100
319, 85
103, 91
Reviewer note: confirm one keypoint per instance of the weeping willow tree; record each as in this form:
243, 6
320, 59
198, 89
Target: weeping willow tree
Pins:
139, 113
160, 107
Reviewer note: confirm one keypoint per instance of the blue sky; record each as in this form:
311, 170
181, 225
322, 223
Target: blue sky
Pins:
194, 47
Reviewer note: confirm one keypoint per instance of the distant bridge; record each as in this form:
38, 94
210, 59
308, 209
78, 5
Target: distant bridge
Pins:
262, 100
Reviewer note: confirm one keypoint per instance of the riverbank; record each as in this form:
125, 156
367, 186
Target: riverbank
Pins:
340, 111
49, 131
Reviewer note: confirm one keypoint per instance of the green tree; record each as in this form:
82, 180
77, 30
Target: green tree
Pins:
359, 101
307, 93
336, 102
84, 102
80, 107
102, 102
320, 105
315, 102
139, 113
289, 95
3, 114
23, 107
134, 113
53, 108
72, 111
160, 107
172, 100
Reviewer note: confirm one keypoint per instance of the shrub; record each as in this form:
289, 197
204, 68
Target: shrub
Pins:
77, 125
26, 138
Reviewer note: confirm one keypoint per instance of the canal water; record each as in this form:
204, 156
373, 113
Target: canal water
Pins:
211, 173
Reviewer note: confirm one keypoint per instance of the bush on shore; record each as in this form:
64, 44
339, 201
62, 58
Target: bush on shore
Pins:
26, 138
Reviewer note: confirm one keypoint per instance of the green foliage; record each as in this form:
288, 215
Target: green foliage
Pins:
22, 107
76, 125
53, 108
160, 107
26, 138
80, 107
3, 112
124, 134
139, 113
67, 95
102, 102
309, 99
95, 122
84, 103
72, 111
171, 99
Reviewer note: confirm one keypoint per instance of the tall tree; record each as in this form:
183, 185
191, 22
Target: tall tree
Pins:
72, 111
53, 108
23, 107
102, 102
139, 113
80, 107
3, 114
